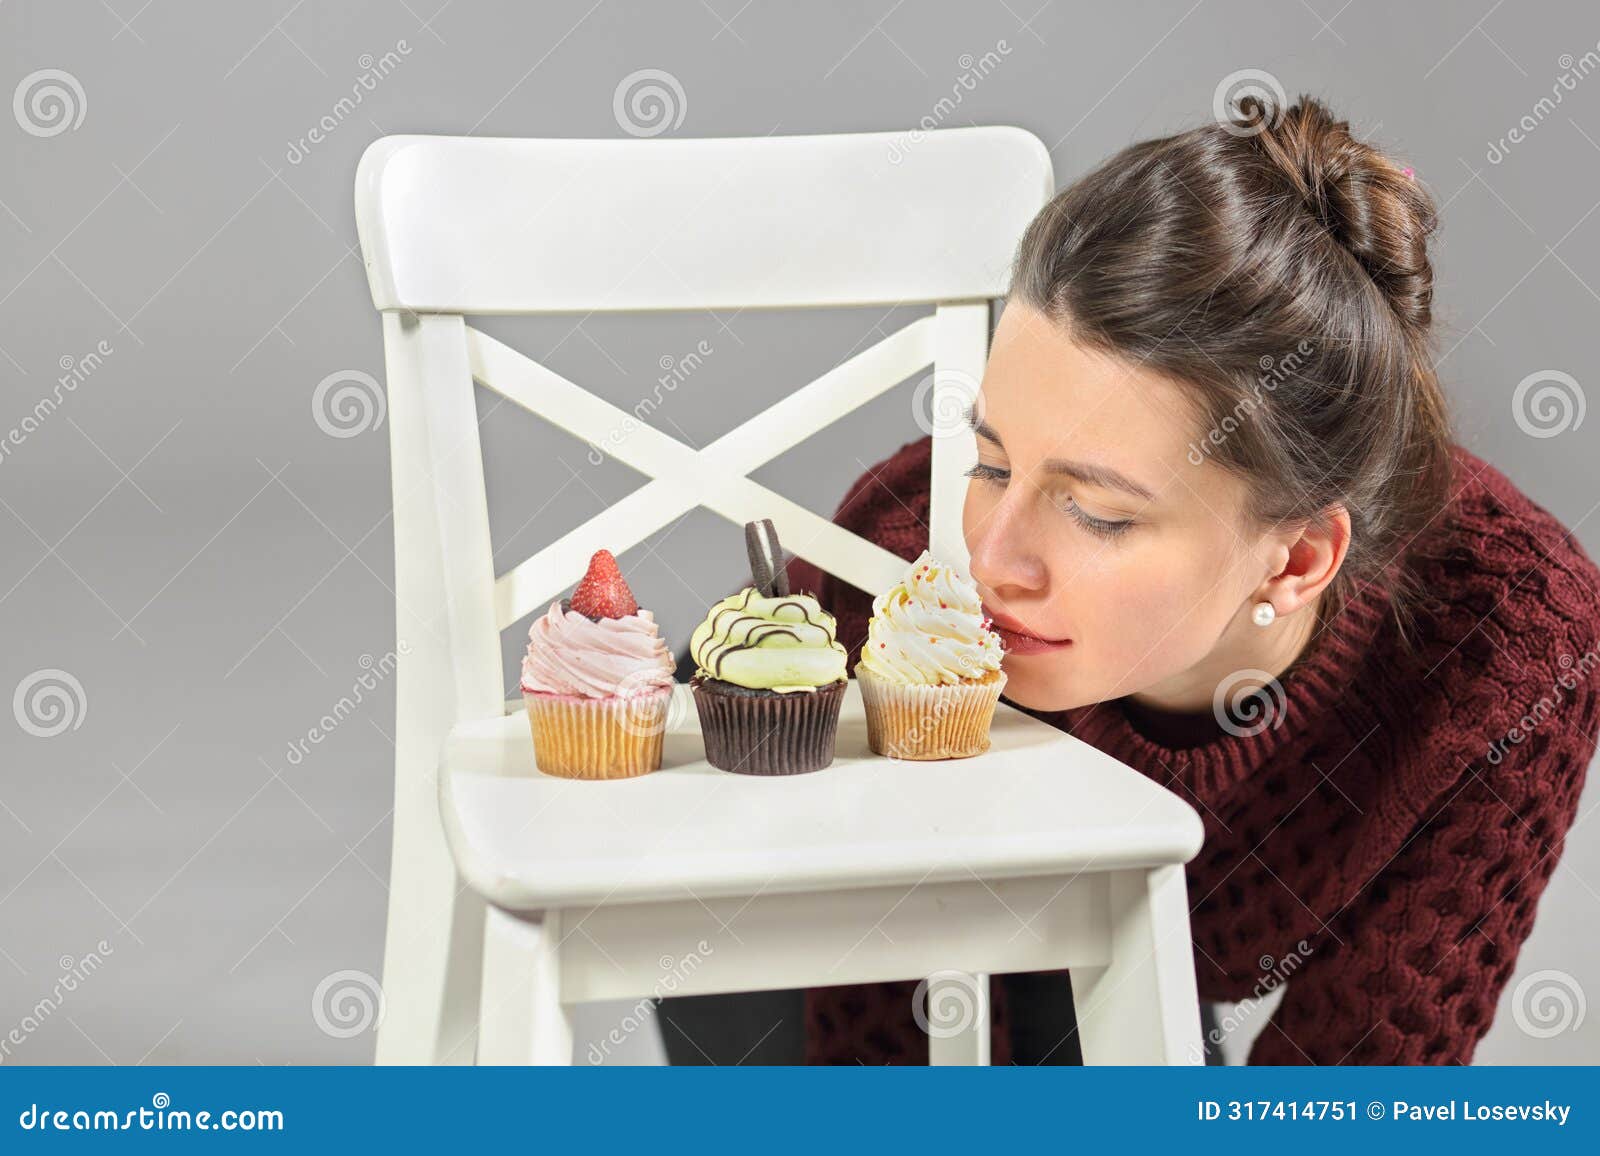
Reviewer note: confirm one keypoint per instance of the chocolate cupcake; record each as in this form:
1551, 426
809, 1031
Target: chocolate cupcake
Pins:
770, 673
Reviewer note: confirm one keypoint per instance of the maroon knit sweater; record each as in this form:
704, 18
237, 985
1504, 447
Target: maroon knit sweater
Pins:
1373, 823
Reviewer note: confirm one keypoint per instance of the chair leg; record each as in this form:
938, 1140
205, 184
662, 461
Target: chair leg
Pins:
958, 1019
1142, 1008
447, 669
432, 949
521, 1019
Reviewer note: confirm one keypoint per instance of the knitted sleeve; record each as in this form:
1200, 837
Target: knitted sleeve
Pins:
1411, 969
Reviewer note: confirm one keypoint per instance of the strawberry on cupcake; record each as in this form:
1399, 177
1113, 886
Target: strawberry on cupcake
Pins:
597, 680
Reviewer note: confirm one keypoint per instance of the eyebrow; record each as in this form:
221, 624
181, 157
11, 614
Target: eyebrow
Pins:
1086, 472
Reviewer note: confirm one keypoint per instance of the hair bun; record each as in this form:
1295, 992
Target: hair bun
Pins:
1371, 206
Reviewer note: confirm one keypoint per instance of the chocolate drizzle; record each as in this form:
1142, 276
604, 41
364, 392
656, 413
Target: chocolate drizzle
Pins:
710, 654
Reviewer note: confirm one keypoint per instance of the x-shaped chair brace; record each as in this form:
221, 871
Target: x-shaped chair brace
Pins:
682, 477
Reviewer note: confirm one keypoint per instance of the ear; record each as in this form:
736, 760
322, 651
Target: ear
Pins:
1310, 559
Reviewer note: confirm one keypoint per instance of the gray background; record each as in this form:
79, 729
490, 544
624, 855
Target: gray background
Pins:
184, 540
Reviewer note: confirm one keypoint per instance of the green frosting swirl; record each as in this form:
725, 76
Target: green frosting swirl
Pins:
781, 644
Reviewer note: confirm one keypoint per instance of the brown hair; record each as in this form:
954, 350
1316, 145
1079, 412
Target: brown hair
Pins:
1279, 267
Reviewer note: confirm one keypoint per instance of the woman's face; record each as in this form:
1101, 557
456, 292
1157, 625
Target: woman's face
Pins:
1090, 528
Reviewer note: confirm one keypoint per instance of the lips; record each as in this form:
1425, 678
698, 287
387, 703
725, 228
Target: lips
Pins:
1018, 639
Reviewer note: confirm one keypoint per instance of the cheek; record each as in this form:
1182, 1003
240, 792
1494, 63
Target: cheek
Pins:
1106, 609
979, 522
979, 501
1137, 617
1160, 616
1152, 623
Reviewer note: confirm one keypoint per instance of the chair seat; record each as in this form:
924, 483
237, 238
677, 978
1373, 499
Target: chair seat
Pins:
1038, 802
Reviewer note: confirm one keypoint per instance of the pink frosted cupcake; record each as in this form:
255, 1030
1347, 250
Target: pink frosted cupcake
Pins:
597, 680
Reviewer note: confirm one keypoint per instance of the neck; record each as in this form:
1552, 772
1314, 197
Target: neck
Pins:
1243, 646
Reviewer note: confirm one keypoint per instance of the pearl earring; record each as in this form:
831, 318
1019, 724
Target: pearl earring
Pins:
1262, 613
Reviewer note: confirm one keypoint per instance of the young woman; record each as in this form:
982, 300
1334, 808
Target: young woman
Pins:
1219, 521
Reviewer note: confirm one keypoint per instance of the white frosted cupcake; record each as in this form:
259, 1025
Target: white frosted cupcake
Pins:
930, 671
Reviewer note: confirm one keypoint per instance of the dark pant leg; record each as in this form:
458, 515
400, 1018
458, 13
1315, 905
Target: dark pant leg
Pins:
1044, 1028
749, 1027
1044, 1025
768, 1027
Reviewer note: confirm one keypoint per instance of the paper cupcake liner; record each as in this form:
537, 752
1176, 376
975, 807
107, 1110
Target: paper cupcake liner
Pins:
759, 732
913, 721
598, 738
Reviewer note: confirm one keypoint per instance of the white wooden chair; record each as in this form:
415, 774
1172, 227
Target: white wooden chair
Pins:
515, 895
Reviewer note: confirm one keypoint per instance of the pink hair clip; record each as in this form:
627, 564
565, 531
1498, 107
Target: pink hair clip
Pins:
1410, 174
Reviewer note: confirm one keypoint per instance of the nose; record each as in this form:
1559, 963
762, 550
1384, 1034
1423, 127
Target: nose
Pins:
1004, 560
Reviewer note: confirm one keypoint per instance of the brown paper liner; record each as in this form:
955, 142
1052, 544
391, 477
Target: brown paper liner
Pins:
912, 721
598, 738
767, 733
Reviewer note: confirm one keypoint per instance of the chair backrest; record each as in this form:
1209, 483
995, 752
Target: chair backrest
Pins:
452, 226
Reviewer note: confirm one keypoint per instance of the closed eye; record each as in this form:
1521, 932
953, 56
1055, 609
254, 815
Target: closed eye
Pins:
987, 473
1101, 527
